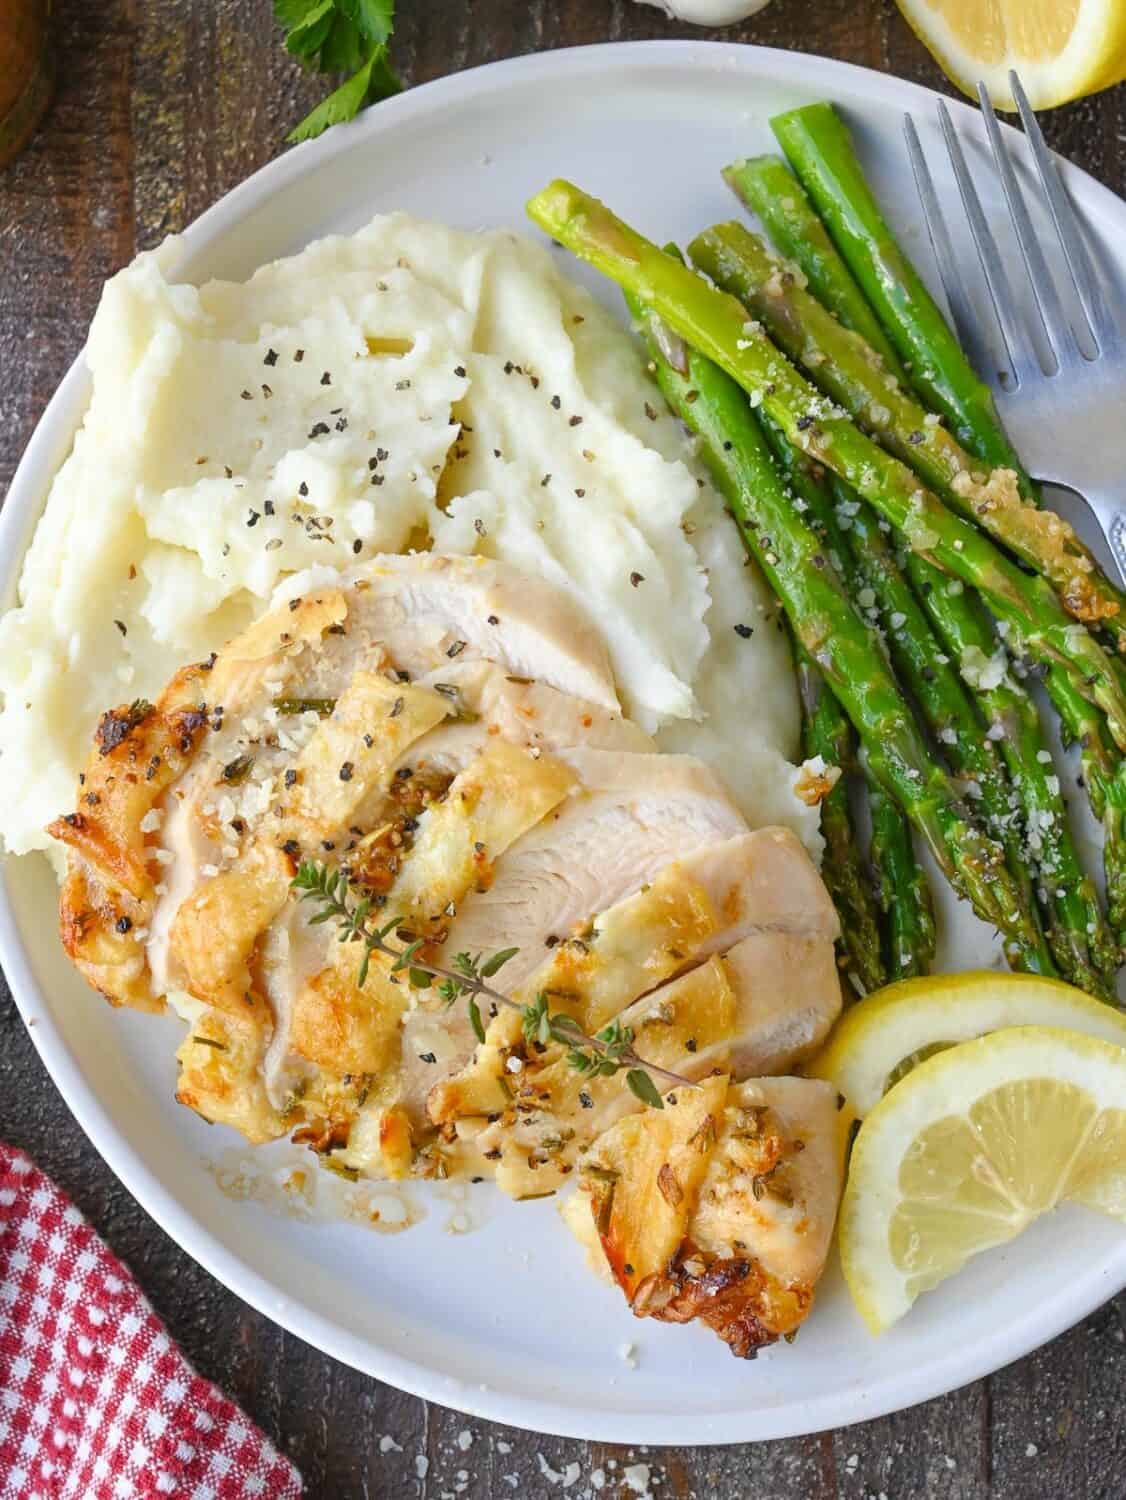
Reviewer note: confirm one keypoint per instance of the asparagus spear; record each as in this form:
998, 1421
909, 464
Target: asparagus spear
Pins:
714, 323
841, 362
834, 636
798, 232
902, 890
875, 581
768, 187
819, 149
901, 886
827, 732
1081, 942
1104, 776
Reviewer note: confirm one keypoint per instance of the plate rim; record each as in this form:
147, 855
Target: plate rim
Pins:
49, 442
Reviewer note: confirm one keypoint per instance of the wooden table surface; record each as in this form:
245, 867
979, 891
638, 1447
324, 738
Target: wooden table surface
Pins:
163, 106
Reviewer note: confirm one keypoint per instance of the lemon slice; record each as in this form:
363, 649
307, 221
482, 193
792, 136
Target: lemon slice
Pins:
878, 1040
971, 1147
1062, 49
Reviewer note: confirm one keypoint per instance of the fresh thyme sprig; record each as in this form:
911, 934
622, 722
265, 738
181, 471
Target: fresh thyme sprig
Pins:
599, 1056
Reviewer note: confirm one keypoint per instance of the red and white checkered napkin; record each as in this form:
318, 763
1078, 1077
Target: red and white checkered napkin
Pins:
96, 1402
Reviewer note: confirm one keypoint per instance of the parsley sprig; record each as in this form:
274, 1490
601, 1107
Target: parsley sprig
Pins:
341, 36
608, 1052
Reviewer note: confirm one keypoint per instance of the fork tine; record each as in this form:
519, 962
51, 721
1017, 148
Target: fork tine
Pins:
1048, 304
1022, 357
966, 324
1101, 325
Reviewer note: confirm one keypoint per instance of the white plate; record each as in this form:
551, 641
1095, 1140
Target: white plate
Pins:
506, 1323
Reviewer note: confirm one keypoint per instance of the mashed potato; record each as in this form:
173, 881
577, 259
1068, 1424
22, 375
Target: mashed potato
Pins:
409, 385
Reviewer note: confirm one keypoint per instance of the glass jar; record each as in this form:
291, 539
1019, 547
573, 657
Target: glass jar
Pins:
26, 72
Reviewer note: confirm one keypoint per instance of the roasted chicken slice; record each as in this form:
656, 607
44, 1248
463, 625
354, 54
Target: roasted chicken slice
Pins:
742, 1011
445, 734
428, 610
720, 1207
637, 813
404, 722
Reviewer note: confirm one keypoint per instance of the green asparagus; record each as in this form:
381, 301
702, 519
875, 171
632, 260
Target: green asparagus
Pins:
1077, 924
874, 580
827, 732
802, 237
1104, 777
843, 363
902, 890
715, 324
819, 148
838, 641
1081, 942
768, 187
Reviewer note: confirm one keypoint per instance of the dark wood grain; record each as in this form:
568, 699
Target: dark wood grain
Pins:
164, 105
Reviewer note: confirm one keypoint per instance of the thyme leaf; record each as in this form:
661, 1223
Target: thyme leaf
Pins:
601, 1056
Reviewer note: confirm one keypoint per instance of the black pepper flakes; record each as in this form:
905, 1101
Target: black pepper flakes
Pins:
318, 429
575, 422
122, 626
915, 437
253, 518
357, 546
455, 649
396, 709
247, 395
266, 391
346, 771
636, 578
291, 777
429, 1057
268, 507
556, 402
326, 378
298, 356
303, 489
459, 371
746, 631
804, 423
123, 924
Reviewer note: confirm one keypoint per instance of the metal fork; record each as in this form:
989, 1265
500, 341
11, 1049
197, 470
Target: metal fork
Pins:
1067, 422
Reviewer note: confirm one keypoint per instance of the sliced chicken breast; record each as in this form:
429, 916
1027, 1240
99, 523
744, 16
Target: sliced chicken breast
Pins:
719, 1207
637, 814
787, 993
707, 903
428, 610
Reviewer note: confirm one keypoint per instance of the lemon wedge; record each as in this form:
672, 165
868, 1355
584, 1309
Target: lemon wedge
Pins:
877, 1041
1062, 49
969, 1148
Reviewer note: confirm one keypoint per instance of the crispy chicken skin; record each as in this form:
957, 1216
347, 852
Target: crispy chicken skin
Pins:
447, 733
